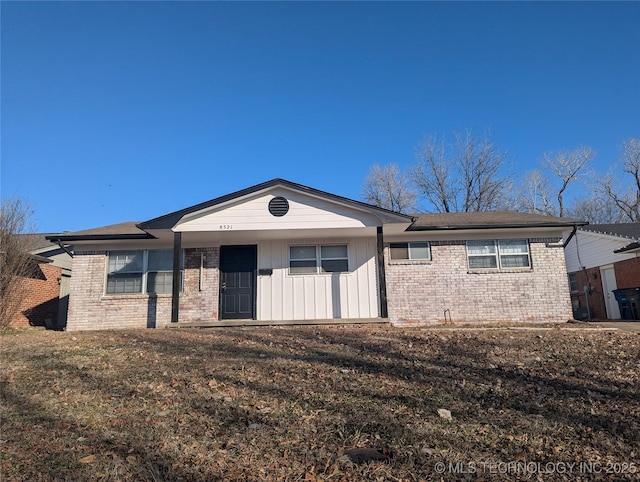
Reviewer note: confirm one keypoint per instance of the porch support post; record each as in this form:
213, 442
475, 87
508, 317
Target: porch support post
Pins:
175, 288
382, 279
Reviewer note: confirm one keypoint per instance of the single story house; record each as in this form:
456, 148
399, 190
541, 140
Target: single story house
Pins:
603, 259
280, 252
45, 292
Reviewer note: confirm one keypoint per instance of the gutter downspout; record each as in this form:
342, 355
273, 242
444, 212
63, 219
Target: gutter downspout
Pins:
587, 288
566, 243
64, 248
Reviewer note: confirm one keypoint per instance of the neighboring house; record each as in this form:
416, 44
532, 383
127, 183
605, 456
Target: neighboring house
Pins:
46, 292
280, 252
603, 258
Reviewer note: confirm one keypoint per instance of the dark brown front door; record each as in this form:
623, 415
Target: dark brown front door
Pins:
238, 282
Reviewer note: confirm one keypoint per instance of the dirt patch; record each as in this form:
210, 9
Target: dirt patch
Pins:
320, 403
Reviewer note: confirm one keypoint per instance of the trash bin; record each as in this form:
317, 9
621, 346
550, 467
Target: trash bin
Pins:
629, 303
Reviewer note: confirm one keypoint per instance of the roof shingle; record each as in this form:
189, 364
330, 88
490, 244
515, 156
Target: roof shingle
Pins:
622, 230
488, 219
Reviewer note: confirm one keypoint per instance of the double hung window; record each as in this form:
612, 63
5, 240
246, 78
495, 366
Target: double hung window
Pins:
498, 254
125, 272
159, 271
139, 271
312, 259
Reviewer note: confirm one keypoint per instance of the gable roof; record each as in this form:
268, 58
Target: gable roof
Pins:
169, 220
489, 220
419, 222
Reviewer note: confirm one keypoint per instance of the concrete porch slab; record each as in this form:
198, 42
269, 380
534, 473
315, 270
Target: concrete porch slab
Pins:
228, 323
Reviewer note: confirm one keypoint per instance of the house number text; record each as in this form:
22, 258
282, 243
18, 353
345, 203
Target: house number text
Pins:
224, 227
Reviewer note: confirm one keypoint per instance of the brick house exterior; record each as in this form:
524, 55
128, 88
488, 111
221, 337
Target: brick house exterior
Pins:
281, 252
446, 290
602, 259
44, 293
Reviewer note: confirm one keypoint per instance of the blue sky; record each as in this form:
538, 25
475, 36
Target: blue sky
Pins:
125, 111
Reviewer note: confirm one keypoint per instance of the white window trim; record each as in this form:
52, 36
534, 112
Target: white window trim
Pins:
319, 259
145, 272
498, 255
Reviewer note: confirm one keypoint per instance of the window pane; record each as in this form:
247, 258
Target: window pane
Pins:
335, 265
482, 262
481, 247
519, 261
339, 251
302, 252
124, 283
399, 250
513, 246
419, 250
125, 262
303, 267
159, 282
160, 260
573, 282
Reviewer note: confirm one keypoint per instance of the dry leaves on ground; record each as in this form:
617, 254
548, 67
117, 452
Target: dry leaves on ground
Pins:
318, 403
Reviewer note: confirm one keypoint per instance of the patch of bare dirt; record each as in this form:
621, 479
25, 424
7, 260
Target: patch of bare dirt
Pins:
320, 403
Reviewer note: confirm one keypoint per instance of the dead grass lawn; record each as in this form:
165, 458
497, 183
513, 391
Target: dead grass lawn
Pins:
287, 403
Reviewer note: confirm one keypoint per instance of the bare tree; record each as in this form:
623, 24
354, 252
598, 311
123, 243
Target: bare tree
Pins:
568, 166
433, 175
595, 208
15, 262
534, 194
463, 176
389, 188
626, 199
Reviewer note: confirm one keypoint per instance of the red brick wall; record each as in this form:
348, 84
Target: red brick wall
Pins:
627, 276
596, 296
628, 273
41, 301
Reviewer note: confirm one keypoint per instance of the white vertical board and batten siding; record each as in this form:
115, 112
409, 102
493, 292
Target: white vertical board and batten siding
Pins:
350, 295
310, 220
251, 214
